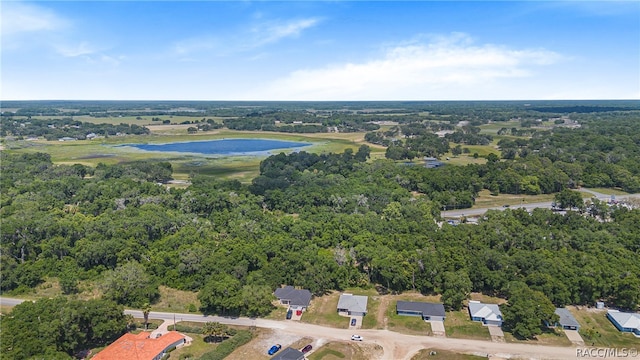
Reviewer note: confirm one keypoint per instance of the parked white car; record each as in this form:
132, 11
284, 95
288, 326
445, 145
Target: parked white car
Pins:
356, 338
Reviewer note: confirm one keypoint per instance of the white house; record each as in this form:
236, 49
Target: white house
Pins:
488, 314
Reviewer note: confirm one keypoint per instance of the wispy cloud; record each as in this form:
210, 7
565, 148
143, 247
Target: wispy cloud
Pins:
80, 49
18, 17
257, 36
434, 69
274, 31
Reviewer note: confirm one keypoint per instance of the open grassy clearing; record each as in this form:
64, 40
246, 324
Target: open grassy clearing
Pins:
486, 299
196, 349
425, 354
485, 199
244, 168
494, 127
344, 350
173, 300
597, 330
609, 191
549, 337
323, 311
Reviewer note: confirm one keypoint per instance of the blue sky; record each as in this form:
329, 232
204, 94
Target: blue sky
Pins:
328, 50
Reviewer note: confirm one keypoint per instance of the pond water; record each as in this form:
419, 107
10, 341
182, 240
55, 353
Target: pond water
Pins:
224, 146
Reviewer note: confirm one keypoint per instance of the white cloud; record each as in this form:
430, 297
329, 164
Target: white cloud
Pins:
271, 32
446, 67
19, 17
81, 49
257, 36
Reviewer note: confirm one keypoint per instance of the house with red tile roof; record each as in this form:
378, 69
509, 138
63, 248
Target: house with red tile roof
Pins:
140, 346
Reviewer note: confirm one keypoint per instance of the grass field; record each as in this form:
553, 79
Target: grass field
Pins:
427, 354
458, 325
243, 168
173, 300
485, 199
609, 191
341, 350
550, 337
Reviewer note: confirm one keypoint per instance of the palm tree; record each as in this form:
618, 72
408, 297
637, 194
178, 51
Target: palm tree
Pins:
146, 309
214, 330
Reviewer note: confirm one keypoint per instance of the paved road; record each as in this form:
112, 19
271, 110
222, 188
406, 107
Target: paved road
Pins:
531, 206
395, 345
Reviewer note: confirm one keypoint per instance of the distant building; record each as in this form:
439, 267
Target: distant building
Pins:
66, 138
141, 347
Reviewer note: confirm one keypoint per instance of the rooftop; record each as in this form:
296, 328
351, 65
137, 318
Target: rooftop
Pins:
432, 309
355, 303
300, 297
486, 311
626, 320
566, 318
138, 346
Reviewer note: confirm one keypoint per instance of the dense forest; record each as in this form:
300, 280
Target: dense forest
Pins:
318, 221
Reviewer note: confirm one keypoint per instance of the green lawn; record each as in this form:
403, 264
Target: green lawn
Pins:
425, 354
608, 191
340, 350
458, 325
551, 337
412, 325
485, 199
323, 310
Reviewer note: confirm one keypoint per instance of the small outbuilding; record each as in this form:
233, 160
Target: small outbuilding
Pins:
427, 311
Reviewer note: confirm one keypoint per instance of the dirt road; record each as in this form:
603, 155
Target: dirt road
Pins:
396, 346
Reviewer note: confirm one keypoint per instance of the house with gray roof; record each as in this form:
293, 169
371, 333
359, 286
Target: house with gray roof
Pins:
297, 299
625, 322
488, 314
566, 321
289, 354
427, 311
353, 305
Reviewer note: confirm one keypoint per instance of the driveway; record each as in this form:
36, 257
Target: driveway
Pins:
574, 337
437, 328
358, 324
496, 333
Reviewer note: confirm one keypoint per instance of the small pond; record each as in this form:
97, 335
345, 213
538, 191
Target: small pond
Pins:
224, 146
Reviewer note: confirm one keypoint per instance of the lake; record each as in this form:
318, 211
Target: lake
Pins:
224, 146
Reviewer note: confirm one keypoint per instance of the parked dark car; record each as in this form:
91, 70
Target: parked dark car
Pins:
353, 322
289, 314
306, 349
274, 349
